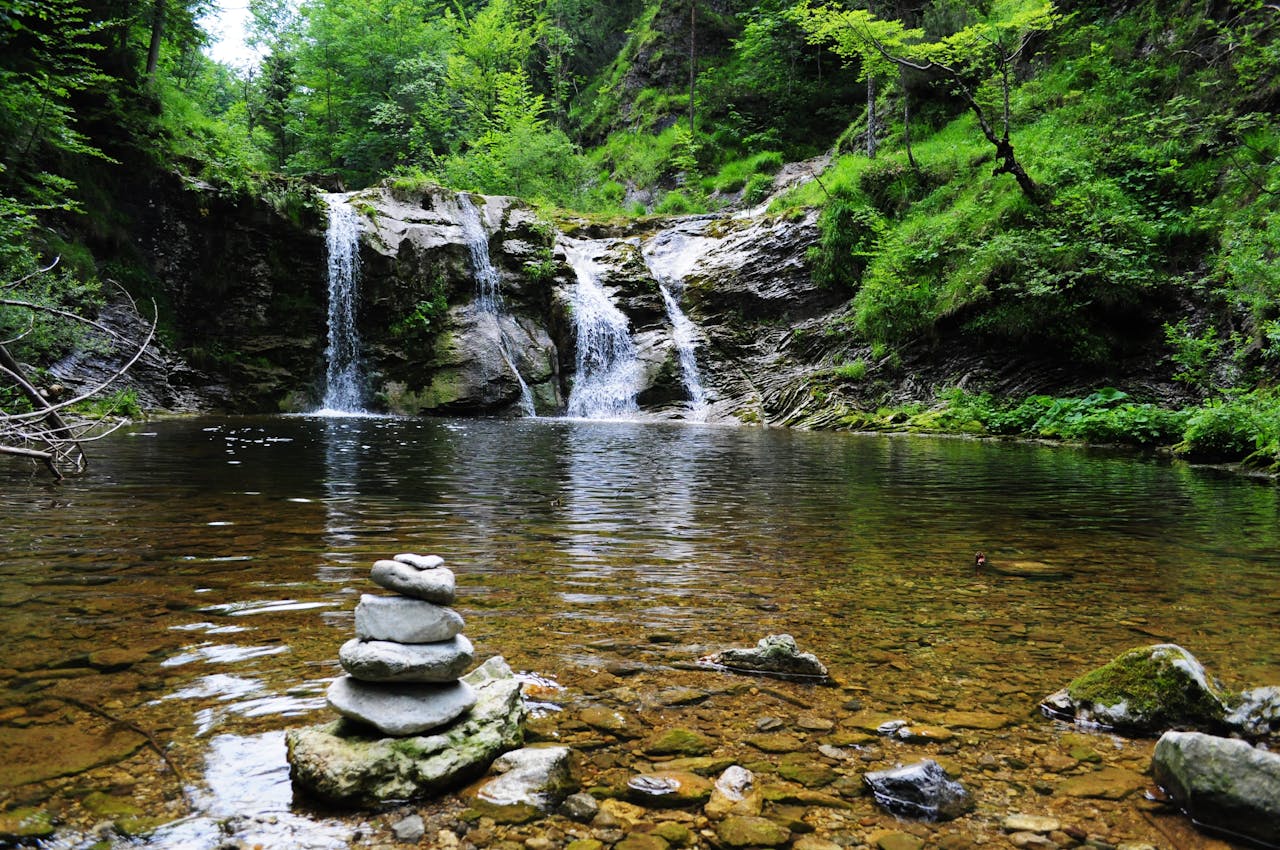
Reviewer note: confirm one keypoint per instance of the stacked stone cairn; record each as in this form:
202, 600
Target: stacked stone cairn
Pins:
404, 663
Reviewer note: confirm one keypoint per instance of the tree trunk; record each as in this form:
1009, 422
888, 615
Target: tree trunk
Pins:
157, 32
871, 117
693, 58
906, 130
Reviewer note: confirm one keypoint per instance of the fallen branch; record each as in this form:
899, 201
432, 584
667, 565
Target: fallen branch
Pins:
151, 741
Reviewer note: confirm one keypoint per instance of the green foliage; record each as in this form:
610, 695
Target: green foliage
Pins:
424, 320
853, 371
1193, 353
850, 231
1241, 427
121, 403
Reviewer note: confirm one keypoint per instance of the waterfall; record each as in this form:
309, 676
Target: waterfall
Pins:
608, 371
670, 256
488, 290
342, 377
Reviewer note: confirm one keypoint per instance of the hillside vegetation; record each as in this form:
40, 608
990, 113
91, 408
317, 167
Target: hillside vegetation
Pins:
1086, 182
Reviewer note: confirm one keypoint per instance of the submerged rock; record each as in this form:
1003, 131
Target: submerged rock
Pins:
1222, 783
921, 790
347, 765
775, 655
669, 789
1144, 691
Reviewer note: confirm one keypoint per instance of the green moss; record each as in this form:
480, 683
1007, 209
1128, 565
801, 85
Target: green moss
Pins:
1156, 687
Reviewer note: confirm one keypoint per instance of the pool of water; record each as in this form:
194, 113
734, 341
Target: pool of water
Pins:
189, 593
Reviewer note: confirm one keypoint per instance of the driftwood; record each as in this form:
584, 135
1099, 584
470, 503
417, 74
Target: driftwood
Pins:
44, 434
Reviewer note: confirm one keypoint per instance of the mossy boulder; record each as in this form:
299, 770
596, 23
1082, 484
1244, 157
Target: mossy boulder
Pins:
1222, 783
342, 764
1144, 692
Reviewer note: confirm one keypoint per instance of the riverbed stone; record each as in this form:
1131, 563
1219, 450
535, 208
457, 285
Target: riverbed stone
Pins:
400, 709
534, 776
581, 807
402, 620
609, 720
669, 789
774, 655
735, 792
678, 742
1223, 783
1144, 692
922, 790
1030, 823
1109, 783
746, 831
348, 765
388, 661
419, 562
436, 585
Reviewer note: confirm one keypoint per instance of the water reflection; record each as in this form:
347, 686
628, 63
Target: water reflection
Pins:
224, 589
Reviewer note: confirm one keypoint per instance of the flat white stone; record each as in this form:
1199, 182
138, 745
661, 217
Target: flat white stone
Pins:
434, 585
385, 661
402, 620
420, 562
400, 709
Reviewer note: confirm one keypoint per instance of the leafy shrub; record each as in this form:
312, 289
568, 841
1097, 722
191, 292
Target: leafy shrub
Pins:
850, 232
854, 371
1221, 430
758, 188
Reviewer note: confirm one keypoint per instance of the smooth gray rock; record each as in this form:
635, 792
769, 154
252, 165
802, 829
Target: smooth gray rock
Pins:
533, 776
775, 655
1224, 784
921, 790
410, 830
343, 764
387, 661
431, 585
400, 709
403, 620
581, 807
1144, 692
421, 562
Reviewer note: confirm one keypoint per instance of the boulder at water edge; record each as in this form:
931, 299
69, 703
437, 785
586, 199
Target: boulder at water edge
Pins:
775, 655
1144, 692
921, 790
1257, 712
1222, 783
350, 766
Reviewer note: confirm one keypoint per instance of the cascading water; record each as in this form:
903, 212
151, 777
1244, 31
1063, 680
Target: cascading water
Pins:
342, 378
488, 290
670, 256
608, 370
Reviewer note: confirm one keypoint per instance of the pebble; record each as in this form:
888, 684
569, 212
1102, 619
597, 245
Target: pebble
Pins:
421, 562
410, 830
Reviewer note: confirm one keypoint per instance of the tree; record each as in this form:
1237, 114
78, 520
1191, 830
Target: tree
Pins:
975, 61
43, 430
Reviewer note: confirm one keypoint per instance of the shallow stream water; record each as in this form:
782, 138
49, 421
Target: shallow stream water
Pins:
195, 585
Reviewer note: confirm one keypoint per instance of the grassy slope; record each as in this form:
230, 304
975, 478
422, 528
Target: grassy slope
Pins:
1157, 244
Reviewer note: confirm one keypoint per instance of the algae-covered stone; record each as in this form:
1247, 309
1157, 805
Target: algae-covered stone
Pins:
1110, 783
341, 764
25, 824
746, 831
669, 789
678, 742
775, 655
1223, 783
1144, 691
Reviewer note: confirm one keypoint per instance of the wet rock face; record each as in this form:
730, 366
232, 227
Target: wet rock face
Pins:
1144, 692
1222, 783
922, 790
